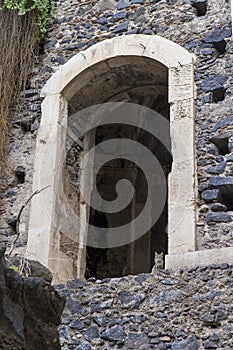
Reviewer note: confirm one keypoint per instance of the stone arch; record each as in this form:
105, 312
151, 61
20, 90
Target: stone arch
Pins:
43, 238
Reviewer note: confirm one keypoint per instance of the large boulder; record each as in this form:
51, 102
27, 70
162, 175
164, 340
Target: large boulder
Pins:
30, 311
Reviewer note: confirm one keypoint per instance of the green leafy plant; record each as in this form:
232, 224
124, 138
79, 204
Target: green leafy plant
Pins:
43, 8
14, 268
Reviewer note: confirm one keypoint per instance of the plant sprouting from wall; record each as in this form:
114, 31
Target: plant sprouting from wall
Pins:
43, 9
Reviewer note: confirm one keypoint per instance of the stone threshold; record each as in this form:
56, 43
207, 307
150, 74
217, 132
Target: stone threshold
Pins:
199, 258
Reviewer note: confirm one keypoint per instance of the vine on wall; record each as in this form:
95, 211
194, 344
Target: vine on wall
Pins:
43, 9
22, 23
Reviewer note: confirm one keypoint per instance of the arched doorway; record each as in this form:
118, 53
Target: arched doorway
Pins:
147, 70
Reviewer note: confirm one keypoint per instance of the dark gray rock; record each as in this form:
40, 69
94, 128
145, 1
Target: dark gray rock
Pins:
218, 182
30, 310
218, 217
214, 337
77, 283
223, 122
155, 341
30, 93
167, 296
207, 318
5, 232
218, 35
209, 296
64, 333
210, 195
116, 333
9, 193
130, 300
76, 324
207, 98
213, 83
103, 20
225, 185
74, 307
91, 333
187, 344
138, 2
97, 306
123, 27
218, 207
147, 31
218, 169
223, 266
119, 15
221, 315
122, 4
84, 346
35, 126
168, 281
100, 320
142, 277
209, 344
203, 186
135, 340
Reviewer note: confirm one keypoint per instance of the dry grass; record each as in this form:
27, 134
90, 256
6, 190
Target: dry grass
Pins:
19, 35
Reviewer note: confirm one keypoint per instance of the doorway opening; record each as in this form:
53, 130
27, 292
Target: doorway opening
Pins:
134, 68
144, 82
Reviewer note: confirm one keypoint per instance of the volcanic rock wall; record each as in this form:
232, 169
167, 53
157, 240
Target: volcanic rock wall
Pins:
183, 310
203, 28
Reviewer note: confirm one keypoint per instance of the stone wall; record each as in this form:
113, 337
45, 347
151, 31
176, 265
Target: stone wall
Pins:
203, 28
183, 310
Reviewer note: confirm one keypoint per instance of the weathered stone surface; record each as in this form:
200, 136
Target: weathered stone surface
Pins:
91, 333
214, 83
218, 207
30, 311
218, 182
135, 340
187, 344
218, 169
210, 195
131, 300
122, 4
115, 333
218, 217
218, 35
122, 28
197, 297
223, 123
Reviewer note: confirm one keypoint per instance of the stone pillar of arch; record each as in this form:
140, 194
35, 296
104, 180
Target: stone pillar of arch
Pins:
46, 220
